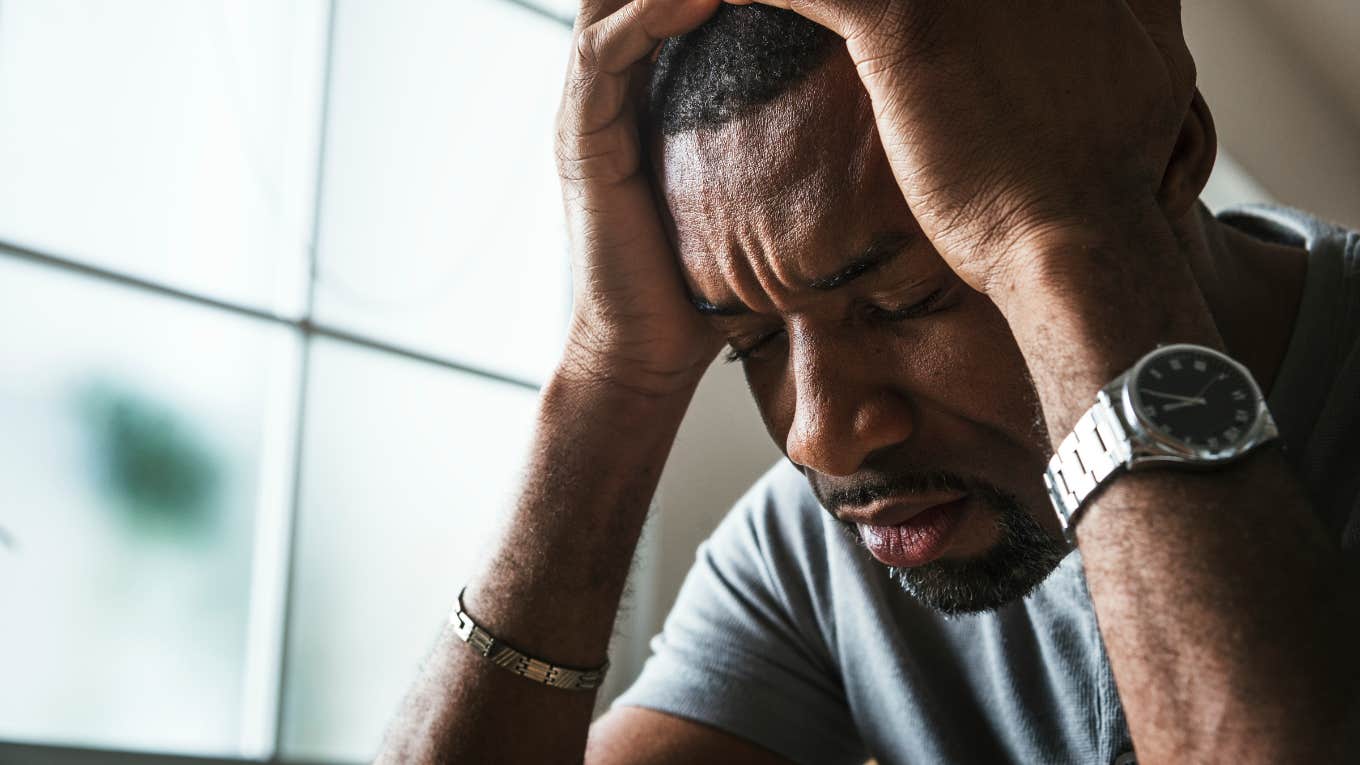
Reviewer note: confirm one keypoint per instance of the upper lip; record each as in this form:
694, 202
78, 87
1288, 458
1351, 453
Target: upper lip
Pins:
897, 510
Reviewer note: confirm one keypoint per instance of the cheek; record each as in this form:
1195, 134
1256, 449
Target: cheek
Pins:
772, 388
976, 370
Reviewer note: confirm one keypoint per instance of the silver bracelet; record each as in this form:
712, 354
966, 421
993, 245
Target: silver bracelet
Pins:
502, 655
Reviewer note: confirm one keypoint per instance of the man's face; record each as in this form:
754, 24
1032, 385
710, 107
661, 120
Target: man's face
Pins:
898, 391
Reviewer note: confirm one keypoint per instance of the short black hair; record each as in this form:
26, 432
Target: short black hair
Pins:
745, 56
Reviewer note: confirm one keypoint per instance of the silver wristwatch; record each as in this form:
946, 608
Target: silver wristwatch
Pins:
1183, 405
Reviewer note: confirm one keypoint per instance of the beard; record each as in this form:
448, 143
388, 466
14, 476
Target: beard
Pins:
1019, 561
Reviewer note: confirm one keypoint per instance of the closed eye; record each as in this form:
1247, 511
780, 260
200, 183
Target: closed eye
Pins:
742, 353
920, 308
912, 311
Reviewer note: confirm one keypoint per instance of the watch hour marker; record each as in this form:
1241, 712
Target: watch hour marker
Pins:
1175, 365
1241, 416
1232, 434
1200, 366
1155, 373
1239, 395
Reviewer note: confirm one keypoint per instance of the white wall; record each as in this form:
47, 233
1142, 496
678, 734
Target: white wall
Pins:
1283, 82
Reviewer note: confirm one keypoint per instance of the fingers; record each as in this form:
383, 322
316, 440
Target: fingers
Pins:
592, 11
848, 18
605, 51
595, 125
628, 35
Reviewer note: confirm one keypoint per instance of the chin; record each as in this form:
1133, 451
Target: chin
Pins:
1019, 561
956, 588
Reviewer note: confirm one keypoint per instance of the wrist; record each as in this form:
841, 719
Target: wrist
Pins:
1086, 301
630, 370
1095, 250
1093, 275
614, 401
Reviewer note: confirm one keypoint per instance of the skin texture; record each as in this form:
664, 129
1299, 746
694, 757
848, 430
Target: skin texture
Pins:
1067, 243
850, 396
853, 396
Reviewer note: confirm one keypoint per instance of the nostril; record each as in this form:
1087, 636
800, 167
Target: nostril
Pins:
817, 450
835, 437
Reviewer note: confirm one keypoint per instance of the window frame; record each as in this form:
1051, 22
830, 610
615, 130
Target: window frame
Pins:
269, 620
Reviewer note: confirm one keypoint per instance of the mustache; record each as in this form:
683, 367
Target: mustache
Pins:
865, 492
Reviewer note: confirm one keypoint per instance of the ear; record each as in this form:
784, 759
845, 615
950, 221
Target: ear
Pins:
1191, 161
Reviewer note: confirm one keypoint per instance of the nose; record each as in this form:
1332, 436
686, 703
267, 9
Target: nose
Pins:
845, 408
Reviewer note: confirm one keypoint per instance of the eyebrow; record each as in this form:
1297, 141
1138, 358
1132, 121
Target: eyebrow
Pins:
879, 253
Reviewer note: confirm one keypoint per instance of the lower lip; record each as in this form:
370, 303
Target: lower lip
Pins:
915, 542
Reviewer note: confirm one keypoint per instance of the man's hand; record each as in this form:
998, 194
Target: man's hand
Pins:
632, 324
1008, 123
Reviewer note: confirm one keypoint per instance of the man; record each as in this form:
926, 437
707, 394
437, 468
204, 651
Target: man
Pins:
932, 235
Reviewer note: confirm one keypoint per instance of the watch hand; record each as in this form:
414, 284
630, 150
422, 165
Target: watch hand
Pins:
1182, 404
1208, 385
1174, 397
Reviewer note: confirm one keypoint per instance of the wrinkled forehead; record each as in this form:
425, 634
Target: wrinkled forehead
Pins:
793, 174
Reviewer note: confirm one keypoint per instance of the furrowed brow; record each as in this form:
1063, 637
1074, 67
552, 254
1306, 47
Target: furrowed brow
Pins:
883, 249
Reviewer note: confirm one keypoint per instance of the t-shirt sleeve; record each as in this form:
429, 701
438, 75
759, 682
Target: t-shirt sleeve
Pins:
743, 648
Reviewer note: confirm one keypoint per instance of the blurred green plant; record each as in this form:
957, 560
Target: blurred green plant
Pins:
155, 467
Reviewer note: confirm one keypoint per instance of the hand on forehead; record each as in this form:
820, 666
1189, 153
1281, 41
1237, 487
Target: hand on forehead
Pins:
662, 18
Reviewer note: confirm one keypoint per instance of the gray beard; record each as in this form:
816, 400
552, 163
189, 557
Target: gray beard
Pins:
1019, 562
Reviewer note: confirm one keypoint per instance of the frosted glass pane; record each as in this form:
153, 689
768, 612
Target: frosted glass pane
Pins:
141, 451
407, 469
562, 9
442, 225
171, 140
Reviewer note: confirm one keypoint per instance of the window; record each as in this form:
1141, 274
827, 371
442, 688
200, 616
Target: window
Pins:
173, 141
145, 450
399, 495
440, 210
270, 294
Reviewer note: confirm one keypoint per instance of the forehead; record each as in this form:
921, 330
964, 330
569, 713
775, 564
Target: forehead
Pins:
791, 187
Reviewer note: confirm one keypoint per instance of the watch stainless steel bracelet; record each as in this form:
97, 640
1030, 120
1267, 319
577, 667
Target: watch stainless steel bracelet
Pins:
1180, 405
1097, 446
502, 655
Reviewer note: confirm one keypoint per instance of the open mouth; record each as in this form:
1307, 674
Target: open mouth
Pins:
919, 539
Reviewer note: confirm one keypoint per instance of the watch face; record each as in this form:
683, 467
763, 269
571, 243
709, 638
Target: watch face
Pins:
1199, 399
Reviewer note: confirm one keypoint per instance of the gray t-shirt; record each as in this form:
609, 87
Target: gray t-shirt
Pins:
788, 634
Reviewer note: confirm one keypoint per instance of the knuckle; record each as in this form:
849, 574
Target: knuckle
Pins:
568, 115
587, 48
608, 157
577, 96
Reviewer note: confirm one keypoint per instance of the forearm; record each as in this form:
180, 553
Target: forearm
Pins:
1218, 595
551, 588
1223, 613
